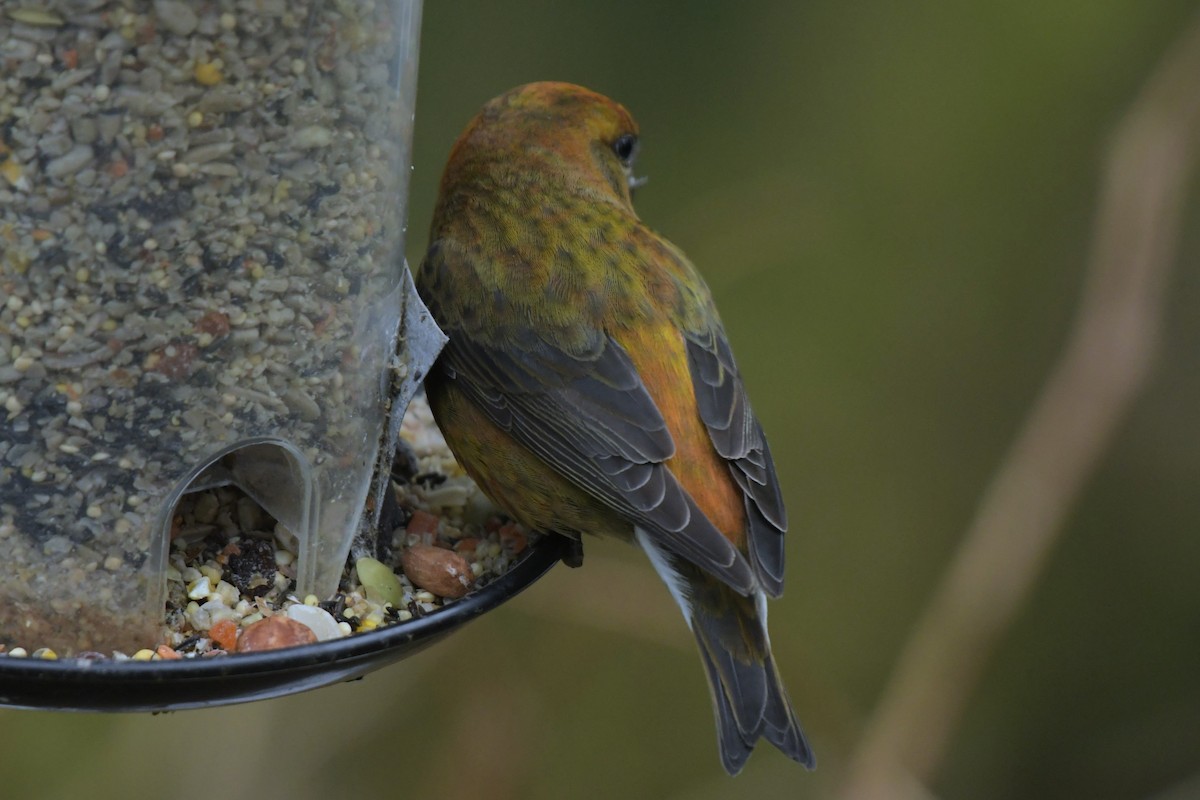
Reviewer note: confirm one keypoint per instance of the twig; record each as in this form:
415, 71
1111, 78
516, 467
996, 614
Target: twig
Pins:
1186, 789
1100, 372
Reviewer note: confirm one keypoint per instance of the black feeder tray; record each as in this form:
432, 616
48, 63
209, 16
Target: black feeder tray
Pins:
73, 684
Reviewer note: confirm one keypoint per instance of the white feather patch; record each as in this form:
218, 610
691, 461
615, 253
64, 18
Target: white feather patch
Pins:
760, 600
670, 577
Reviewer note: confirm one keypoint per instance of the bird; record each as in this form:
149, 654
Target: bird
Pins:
588, 385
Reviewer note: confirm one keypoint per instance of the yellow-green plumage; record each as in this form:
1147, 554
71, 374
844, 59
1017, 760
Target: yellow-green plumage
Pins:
588, 385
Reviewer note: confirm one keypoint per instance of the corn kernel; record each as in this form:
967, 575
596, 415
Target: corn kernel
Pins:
207, 74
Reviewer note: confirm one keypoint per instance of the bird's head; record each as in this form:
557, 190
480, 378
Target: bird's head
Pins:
564, 132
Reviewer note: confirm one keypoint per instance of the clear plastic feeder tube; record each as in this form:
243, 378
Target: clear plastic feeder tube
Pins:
202, 215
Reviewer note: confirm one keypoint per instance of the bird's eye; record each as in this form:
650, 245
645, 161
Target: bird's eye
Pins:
625, 147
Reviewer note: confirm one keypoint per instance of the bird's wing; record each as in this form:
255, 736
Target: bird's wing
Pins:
738, 438
591, 418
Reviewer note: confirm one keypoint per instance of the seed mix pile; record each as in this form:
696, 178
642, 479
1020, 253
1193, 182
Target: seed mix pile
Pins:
194, 248
231, 579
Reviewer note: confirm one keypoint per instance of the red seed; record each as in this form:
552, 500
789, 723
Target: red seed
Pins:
224, 634
173, 360
442, 572
167, 653
273, 633
513, 537
214, 323
422, 523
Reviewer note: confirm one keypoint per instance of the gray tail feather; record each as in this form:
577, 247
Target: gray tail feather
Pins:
748, 696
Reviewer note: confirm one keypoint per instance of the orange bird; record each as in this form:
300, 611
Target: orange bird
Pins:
588, 386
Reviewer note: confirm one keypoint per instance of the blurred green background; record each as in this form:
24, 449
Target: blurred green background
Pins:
892, 203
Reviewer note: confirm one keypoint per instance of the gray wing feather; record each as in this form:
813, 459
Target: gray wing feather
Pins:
738, 437
593, 420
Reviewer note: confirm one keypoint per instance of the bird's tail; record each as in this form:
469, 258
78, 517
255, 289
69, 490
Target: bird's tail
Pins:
749, 700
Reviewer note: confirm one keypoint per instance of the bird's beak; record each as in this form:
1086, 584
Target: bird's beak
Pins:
635, 182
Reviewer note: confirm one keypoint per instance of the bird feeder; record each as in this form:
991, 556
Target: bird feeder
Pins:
202, 282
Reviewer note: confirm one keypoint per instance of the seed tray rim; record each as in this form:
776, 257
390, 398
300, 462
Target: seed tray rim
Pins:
72, 684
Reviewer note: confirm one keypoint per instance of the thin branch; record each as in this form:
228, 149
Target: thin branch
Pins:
1187, 789
1103, 367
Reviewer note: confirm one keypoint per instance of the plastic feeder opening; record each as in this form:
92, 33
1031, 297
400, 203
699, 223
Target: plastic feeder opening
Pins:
201, 279
275, 475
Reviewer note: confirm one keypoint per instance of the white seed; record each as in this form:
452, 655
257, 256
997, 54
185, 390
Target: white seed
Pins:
70, 162
176, 16
320, 621
199, 589
227, 592
312, 136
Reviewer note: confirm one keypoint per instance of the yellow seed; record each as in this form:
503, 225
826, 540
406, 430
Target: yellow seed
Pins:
36, 17
11, 170
143, 655
207, 74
